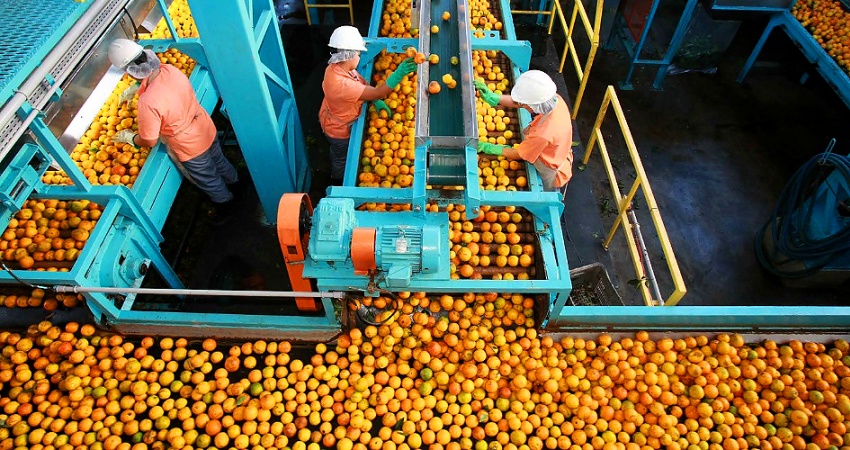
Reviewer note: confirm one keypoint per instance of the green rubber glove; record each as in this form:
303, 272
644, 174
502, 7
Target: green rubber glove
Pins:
490, 149
405, 68
490, 97
381, 106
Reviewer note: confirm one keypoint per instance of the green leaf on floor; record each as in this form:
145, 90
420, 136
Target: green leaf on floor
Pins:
581, 167
576, 143
635, 283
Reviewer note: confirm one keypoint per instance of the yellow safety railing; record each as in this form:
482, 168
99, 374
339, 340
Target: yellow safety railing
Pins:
592, 31
624, 203
348, 5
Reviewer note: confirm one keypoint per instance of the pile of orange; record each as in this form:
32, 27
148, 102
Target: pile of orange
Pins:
388, 146
183, 21
500, 174
498, 243
184, 24
395, 20
441, 371
178, 59
495, 124
12, 297
102, 161
481, 17
829, 23
48, 234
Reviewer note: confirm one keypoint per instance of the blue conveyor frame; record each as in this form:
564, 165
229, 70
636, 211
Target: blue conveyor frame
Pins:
546, 207
664, 63
837, 78
126, 241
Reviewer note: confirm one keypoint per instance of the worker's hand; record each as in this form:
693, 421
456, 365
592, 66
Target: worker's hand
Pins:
381, 106
124, 136
128, 94
405, 68
490, 97
490, 149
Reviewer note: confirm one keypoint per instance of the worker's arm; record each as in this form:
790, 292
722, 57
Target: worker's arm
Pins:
375, 92
510, 152
507, 151
507, 101
382, 90
139, 141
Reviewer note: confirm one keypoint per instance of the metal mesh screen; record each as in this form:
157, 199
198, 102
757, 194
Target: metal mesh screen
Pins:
25, 25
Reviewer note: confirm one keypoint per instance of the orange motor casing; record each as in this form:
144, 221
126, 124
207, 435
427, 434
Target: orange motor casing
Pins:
293, 242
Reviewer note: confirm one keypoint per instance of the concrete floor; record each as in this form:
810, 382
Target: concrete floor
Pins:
717, 154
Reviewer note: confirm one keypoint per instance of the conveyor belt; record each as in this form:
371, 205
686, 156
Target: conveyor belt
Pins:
28, 29
67, 52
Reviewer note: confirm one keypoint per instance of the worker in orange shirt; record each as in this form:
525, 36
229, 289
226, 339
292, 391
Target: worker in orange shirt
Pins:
548, 139
168, 110
345, 91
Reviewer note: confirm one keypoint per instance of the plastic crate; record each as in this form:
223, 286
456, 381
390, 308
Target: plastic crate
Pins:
593, 287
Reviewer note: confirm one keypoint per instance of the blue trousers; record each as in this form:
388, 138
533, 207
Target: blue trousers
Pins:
339, 153
212, 172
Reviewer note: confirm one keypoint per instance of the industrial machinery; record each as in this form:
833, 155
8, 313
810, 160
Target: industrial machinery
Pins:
806, 241
59, 106
351, 249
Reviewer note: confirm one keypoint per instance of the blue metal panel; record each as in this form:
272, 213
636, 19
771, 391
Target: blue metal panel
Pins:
375, 22
241, 326
829, 69
672, 49
249, 66
20, 178
28, 30
714, 318
507, 20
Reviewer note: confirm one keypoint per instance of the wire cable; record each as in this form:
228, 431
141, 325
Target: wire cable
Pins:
794, 238
25, 283
132, 22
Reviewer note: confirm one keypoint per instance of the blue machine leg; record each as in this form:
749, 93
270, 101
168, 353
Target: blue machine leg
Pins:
626, 84
249, 67
757, 49
678, 37
57, 152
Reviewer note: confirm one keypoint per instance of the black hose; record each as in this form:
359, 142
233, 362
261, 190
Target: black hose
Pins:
793, 236
133, 22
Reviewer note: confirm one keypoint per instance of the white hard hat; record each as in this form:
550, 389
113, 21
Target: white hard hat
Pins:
533, 87
123, 51
347, 37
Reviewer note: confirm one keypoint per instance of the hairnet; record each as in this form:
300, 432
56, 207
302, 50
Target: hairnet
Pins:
545, 107
343, 55
144, 65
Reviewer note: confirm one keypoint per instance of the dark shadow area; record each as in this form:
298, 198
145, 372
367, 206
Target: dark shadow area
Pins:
717, 154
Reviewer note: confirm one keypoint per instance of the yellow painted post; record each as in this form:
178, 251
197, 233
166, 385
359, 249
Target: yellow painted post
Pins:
598, 124
568, 39
641, 183
555, 5
350, 7
307, 10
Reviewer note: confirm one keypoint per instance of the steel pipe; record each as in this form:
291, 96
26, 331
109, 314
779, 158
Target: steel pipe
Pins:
647, 263
197, 292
